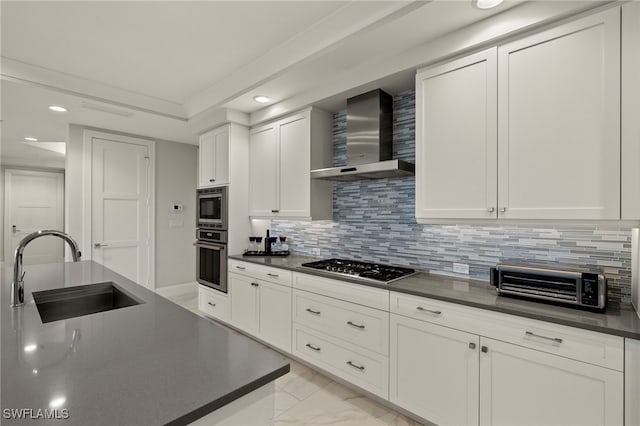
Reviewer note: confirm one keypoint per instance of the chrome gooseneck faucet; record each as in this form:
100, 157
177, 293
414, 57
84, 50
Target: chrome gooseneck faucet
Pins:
17, 287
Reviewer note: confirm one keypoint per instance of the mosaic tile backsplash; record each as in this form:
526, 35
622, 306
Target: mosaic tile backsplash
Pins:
374, 221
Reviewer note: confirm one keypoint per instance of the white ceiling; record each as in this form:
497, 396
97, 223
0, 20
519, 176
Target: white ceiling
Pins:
157, 64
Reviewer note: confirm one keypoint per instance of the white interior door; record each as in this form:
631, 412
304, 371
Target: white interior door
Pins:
120, 208
33, 200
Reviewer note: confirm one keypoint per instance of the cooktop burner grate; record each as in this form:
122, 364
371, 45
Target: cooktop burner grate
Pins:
370, 271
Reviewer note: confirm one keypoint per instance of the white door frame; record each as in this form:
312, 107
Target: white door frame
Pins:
8, 172
87, 170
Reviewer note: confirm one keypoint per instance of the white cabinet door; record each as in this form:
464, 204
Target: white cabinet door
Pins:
244, 302
559, 122
520, 386
206, 160
275, 314
294, 178
213, 158
630, 111
434, 371
456, 139
221, 156
263, 172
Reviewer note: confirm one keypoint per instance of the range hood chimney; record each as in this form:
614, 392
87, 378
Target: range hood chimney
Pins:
369, 141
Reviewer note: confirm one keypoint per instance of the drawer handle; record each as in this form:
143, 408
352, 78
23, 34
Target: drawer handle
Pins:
312, 311
273, 275
212, 180
275, 211
484, 349
359, 367
553, 339
211, 304
255, 284
242, 268
360, 326
315, 348
472, 345
420, 308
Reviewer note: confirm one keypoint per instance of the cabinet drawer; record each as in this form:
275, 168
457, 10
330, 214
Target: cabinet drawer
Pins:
214, 304
355, 293
583, 345
359, 325
275, 275
366, 369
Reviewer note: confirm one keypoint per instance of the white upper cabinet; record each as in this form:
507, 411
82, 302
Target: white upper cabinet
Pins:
263, 171
630, 111
559, 122
534, 134
457, 154
282, 155
214, 158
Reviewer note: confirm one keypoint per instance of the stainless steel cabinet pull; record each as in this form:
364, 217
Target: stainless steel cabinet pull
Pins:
472, 345
420, 308
359, 367
255, 284
242, 268
491, 209
273, 275
312, 311
315, 348
275, 211
484, 349
503, 209
553, 339
361, 326
211, 304
98, 245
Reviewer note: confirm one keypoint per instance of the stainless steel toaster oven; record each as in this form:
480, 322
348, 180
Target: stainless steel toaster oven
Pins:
584, 289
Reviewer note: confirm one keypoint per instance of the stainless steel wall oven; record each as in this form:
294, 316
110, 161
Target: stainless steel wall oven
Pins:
211, 258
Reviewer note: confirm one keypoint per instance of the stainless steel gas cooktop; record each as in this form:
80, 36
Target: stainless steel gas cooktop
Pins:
374, 272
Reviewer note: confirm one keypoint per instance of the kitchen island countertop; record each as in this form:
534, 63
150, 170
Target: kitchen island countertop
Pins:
151, 364
619, 320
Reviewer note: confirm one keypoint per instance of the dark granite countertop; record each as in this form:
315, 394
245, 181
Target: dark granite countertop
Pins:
617, 320
151, 364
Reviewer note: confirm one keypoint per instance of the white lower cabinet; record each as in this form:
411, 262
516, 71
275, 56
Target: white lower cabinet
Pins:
434, 371
214, 303
447, 363
261, 308
520, 386
274, 314
364, 368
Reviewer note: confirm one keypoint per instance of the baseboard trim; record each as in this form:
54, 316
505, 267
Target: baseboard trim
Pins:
177, 289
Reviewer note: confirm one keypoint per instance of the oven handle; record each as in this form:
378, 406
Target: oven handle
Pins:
218, 247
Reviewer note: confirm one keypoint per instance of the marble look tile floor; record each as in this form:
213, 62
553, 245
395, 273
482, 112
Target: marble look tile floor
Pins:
306, 397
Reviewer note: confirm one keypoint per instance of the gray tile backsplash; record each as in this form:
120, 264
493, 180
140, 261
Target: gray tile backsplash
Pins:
374, 220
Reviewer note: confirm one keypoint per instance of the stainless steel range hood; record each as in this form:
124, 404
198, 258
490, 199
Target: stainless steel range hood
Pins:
369, 142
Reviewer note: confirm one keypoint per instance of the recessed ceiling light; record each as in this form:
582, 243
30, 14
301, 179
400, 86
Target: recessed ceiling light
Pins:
57, 108
30, 139
30, 348
57, 402
261, 99
486, 4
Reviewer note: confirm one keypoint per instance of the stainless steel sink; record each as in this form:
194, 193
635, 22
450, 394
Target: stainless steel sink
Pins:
71, 302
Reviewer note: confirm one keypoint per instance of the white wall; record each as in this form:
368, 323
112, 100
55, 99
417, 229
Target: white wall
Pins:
176, 182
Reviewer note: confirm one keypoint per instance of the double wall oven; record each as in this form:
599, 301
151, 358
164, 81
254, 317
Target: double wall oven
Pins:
211, 234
